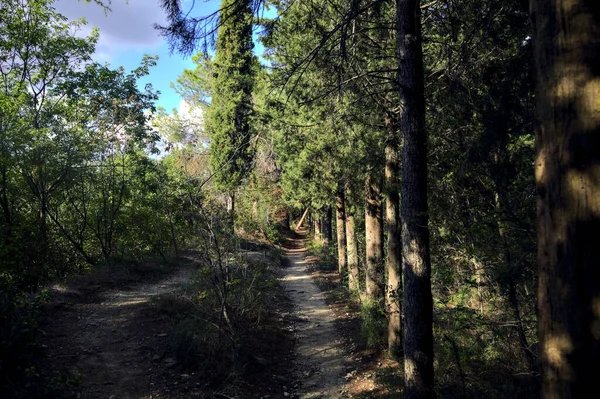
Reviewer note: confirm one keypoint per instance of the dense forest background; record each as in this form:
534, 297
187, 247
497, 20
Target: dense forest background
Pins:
403, 133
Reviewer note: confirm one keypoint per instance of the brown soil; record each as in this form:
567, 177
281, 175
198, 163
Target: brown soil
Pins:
320, 360
107, 338
371, 373
110, 344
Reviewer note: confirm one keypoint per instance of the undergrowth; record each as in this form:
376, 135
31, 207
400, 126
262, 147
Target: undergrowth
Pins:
226, 337
18, 328
373, 325
326, 254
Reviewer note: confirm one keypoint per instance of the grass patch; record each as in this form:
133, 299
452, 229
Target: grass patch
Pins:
326, 253
373, 325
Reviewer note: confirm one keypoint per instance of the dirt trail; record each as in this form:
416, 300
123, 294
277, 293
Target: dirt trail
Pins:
114, 347
320, 358
116, 344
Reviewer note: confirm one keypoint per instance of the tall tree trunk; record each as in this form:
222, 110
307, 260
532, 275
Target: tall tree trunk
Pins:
340, 228
567, 54
317, 228
353, 274
45, 242
172, 229
512, 292
418, 302
326, 225
255, 209
299, 224
374, 243
5, 203
231, 204
394, 249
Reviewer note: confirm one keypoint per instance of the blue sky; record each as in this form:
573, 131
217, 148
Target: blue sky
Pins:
127, 33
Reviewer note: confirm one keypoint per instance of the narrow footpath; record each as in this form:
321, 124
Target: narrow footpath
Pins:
320, 360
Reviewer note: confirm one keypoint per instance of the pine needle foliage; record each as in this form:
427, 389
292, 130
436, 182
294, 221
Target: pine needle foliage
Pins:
228, 117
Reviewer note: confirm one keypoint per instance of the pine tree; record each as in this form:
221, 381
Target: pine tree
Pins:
567, 55
418, 302
228, 117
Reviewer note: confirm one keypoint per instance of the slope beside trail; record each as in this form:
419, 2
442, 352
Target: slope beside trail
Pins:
320, 360
115, 345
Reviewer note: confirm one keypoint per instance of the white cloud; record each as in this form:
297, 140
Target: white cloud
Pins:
130, 24
186, 111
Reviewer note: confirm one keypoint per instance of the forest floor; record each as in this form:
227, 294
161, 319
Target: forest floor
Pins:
370, 374
105, 337
320, 362
333, 326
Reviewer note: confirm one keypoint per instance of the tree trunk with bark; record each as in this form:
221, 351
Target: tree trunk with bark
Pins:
394, 249
353, 273
255, 209
418, 302
374, 242
231, 205
317, 228
340, 229
511, 282
567, 172
301, 221
326, 226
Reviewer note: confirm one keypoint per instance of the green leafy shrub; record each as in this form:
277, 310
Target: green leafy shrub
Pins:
373, 325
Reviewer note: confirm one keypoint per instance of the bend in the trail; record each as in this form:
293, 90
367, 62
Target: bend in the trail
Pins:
115, 347
320, 360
